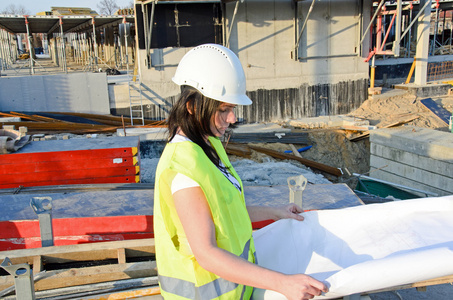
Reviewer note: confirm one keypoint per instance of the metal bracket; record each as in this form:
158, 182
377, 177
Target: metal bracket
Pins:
23, 279
296, 185
42, 206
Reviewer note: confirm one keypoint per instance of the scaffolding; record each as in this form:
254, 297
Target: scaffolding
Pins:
87, 43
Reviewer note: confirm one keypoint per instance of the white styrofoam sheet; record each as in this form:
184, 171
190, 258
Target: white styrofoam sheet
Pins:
363, 248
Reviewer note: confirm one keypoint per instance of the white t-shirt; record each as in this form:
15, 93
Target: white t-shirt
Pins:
181, 181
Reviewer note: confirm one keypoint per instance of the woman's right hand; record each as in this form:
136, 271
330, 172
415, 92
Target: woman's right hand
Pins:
300, 286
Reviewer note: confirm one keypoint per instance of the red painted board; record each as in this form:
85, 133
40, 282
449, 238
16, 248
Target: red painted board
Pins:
69, 231
69, 174
261, 224
28, 243
113, 179
51, 166
17, 158
78, 226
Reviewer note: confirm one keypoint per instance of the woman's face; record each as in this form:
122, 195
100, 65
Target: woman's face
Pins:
223, 117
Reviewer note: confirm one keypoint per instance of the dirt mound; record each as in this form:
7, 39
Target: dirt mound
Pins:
385, 109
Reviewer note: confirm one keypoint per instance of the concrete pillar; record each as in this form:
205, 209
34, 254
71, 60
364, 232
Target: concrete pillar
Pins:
422, 51
366, 18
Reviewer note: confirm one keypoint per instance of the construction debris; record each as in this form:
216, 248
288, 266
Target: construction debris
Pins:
367, 134
12, 140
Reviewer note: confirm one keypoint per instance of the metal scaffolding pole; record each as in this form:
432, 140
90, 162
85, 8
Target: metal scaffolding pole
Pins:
95, 45
32, 70
436, 25
296, 47
65, 69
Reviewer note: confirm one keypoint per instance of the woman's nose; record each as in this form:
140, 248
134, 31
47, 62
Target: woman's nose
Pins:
231, 118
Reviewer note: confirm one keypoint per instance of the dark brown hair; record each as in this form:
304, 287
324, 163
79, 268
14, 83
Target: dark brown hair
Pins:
192, 113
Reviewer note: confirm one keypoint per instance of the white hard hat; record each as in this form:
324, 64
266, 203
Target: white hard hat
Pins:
215, 71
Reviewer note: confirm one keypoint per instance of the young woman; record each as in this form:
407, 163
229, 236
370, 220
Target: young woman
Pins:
203, 231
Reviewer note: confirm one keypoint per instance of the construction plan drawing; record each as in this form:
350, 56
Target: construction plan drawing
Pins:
363, 248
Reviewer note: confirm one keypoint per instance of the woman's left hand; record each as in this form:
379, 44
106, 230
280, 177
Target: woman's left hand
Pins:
289, 211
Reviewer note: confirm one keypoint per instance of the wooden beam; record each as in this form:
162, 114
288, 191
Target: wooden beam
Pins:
308, 163
88, 275
239, 150
435, 281
82, 252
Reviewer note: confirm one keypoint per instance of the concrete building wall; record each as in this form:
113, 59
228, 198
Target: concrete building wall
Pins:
72, 92
329, 78
420, 158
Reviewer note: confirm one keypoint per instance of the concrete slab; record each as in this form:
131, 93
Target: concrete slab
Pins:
421, 141
145, 134
411, 159
260, 127
327, 121
420, 158
10, 119
410, 172
428, 90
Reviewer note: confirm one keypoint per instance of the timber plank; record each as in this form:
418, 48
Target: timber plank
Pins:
18, 157
55, 150
77, 164
89, 275
238, 149
111, 179
78, 226
25, 178
82, 252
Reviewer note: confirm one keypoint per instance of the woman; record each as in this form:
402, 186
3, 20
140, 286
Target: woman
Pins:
203, 232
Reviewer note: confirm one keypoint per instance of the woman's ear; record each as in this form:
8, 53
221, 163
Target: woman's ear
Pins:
189, 106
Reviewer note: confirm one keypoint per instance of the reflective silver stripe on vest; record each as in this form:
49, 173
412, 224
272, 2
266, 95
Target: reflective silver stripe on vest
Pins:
210, 290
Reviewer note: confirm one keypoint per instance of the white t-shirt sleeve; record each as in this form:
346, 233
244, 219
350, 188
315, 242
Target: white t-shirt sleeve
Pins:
182, 182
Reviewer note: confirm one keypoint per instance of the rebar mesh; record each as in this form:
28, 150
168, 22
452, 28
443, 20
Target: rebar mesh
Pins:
440, 70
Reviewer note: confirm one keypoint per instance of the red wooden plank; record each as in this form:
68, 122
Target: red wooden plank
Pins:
69, 174
261, 224
113, 179
28, 243
78, 226
69, 231
14, 158
52, 166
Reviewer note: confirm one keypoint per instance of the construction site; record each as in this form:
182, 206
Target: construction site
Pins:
351, 119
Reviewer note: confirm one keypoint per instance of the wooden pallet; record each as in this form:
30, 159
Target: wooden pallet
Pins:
113, 261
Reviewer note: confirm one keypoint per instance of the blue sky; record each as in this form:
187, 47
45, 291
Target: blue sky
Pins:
35, 6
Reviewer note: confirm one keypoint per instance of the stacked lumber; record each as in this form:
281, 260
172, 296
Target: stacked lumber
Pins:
80, 123
73, 161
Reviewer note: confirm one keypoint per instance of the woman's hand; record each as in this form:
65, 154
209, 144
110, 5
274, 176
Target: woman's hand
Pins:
289, 211
300, 286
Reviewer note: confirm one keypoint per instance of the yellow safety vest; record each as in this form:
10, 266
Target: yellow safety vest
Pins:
180, 275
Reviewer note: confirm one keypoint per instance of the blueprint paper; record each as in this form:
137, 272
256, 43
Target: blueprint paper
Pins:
362, 248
